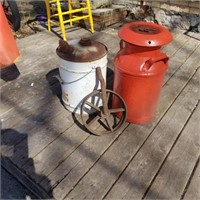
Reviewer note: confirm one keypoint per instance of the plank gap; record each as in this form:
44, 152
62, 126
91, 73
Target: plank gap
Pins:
190, 178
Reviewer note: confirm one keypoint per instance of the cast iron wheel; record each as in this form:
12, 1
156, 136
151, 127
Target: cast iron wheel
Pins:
12, 13
93, 116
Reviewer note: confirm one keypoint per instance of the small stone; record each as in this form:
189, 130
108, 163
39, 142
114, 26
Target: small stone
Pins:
162, 18
138, 13
149, 19
180, 22
194, 20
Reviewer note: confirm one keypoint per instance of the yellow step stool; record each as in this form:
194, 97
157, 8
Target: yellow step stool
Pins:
54, 9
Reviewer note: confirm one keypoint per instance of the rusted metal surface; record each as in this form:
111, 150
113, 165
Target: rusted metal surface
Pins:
85, 42
83, 51
103, 90
109, 118
144, 29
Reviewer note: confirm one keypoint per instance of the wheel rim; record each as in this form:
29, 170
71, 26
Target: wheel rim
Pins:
93, 117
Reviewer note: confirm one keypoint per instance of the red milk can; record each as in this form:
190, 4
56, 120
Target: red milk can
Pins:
140, 67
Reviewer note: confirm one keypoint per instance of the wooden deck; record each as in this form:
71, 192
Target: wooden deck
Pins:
48, 150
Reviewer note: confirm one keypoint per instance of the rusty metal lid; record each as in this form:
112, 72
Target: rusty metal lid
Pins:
83, 50
145, 34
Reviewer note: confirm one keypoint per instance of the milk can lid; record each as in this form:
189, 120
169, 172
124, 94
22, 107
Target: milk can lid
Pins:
145, 34
83, 50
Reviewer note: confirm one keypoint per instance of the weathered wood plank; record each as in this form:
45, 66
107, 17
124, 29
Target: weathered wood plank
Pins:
40, 87
43, 88
179, 80
70, 172
24, 88
173, 67
95, 185
39, 137
25, 180
111, 42
177, 43
187, 49
31, 39
35, 110
50, 158
193, 35
28, 119
193, 191
33, 54
110, 31
175, 173
171, 49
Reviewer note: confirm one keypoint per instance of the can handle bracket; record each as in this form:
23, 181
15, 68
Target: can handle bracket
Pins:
59, 79
148, 64
121, 44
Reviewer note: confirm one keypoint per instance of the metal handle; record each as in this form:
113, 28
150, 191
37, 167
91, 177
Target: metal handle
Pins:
59, 79
103, 90
147, 65
121, 44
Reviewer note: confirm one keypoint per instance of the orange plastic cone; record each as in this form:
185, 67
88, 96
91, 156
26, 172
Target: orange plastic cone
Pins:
8, 48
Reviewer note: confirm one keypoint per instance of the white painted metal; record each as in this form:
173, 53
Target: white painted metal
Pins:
78, 80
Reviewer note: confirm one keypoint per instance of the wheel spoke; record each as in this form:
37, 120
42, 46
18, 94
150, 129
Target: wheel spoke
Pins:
95, 119
108, 123
92, 105
107, 98
116, 110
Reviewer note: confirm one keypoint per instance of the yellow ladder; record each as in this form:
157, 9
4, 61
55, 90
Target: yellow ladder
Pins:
54, 9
